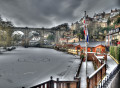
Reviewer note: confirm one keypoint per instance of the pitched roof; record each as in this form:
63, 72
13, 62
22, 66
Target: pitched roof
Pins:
91, 44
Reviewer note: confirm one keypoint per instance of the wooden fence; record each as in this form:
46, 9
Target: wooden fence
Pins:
97, 62
58, 84
97, 76
76, 77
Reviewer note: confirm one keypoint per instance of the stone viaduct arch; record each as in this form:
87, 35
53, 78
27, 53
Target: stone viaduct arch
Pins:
56, 31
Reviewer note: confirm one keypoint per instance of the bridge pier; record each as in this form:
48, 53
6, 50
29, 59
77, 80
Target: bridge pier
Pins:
26, 40
57, 37
41, 33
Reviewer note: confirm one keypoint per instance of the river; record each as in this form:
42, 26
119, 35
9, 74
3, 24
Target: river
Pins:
25, 67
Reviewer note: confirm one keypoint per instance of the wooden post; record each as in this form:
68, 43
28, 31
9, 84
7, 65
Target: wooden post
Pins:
105, 68
68, 85
101, 78
43, 85
78, 83
88, 82
51, 82
57, 82
96, 80
62, 85
77, 51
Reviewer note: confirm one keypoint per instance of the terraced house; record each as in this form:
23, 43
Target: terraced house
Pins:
113, 37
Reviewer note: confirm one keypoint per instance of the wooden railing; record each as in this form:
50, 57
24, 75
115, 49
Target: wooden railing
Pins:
96, 61
58, 84
78, 70
97, 76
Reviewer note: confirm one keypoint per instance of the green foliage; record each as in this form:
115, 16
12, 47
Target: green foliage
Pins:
51, 37
5, 36
117, 21
80, 33
16, 38
107, 28
9, 32
82, 56
115, 52
108, 21
74, 32
118, 54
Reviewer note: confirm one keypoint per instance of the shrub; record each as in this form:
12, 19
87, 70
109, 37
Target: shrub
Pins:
82, 56
115, 52
118, 54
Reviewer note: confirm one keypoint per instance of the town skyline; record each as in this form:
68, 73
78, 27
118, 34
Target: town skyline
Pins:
51, 13
69, 24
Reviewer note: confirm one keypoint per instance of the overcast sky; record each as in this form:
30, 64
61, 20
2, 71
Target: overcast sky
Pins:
48, 13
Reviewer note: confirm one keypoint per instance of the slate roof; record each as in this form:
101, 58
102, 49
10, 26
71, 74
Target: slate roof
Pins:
91, 44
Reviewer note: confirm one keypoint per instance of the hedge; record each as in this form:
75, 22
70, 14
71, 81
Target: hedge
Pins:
115, 52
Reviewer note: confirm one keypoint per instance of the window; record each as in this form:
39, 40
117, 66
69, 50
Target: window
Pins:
74, 41
106, 42
90, 49
106, 37
98, 50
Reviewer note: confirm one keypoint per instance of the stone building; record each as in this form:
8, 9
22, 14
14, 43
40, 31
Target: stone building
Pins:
74, 26
113, 37
114, 12
113, 19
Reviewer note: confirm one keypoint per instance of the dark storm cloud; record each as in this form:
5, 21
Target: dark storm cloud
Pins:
47, 13
119, 2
